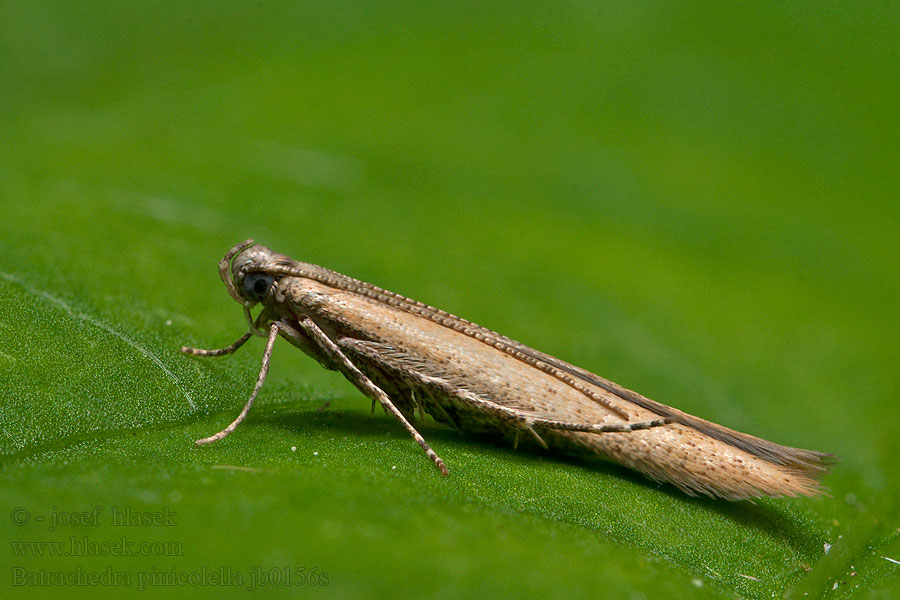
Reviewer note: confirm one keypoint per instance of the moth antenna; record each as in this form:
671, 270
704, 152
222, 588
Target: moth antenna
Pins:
225, 269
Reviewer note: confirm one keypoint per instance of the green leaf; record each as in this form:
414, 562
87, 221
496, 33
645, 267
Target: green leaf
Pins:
696, 202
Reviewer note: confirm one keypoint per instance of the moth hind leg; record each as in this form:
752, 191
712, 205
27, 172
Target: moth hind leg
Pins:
406, 365
610, 428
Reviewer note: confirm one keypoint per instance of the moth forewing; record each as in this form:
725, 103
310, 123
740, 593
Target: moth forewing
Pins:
413, 358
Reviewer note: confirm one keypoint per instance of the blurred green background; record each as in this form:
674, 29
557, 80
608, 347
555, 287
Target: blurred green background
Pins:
698, 201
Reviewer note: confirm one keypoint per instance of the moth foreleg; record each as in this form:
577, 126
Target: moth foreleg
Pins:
263, 371
220, 351
365, 385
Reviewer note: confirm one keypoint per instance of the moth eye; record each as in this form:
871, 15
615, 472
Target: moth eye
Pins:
257, 286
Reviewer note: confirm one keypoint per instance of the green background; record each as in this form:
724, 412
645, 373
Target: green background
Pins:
697, 201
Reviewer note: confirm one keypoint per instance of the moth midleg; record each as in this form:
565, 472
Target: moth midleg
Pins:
365, 385
417, 403
403, 365
221, 351
357, 351
263, 371
534, 434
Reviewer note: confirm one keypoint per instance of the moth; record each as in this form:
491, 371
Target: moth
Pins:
415, 359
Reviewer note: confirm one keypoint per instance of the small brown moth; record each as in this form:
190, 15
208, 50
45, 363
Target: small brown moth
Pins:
413, 358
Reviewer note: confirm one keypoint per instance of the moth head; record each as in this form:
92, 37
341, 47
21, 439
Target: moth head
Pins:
246, 271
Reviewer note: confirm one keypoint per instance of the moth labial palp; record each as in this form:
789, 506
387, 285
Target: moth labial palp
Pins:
413, 358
